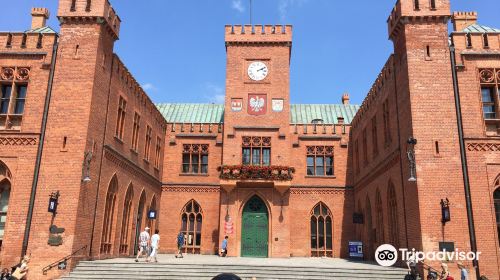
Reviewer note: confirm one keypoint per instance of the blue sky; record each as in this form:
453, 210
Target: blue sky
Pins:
175, 48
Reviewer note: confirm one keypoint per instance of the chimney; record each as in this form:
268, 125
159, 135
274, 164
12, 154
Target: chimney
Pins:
39, 17
345, 98
462, 20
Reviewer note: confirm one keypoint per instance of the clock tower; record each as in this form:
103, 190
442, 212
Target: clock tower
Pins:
257, 86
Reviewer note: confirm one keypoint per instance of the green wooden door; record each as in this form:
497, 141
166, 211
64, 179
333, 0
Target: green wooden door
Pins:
255, 229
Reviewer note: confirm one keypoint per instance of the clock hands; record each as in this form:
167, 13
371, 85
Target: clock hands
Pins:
263, 68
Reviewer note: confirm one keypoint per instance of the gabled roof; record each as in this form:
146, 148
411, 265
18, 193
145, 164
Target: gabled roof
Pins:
214, 113
476, 28
43, 30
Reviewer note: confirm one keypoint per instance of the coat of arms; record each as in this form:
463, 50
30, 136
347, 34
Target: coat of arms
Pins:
257, 104
277, 105
236, 104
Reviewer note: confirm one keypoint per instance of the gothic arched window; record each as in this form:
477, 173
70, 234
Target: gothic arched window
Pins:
5, 185
126, 221
380, 219
192, 221
496, 199
321, 231
392, 207
109, 215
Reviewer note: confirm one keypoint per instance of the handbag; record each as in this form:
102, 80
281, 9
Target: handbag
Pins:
19, 273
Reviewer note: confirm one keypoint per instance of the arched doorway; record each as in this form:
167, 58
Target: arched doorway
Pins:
126, 221
496, 201
369, 229
191, 226
5, 187
109, 217
255, 229
140, 215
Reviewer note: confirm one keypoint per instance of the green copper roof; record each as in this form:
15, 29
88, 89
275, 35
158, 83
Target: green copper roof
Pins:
214, 113
42, 30
476, 28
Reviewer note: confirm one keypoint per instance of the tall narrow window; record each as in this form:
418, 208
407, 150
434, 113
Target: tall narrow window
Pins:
490, 90
387, 128
356, 156
5, 187
158, 153
191, 226
39, 43
468, 40
195, 159
365, 148
416, 4
256, 151
428, 51
23, 40
392, 207
374, 136
135, 132
319, 160
89, 5
5, 101
486, 42
109, 215
126, 221
380, 219
73, 6
433, 4
321, 231
20, 99
147, 145
120, 120
9, 41
496, 198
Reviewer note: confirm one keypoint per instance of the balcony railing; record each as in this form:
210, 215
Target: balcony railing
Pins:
249, 172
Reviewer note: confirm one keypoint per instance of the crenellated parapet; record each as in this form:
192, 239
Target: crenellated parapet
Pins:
28, 44
86, 11
373, 96
408, 11
258, 34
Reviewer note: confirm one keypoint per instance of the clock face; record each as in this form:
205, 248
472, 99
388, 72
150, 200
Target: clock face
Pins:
257, 71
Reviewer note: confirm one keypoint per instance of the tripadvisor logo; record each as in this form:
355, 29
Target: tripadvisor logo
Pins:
387, 255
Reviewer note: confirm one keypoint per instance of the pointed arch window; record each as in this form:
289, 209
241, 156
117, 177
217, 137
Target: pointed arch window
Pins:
126, 221
5, 185
380, 219
321, 231
109, 215
392, 207
496, 199
191, 225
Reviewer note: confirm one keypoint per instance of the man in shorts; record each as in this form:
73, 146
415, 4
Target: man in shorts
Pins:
143, 243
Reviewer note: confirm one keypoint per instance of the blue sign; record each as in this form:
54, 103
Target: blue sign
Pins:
355, 249
152, 214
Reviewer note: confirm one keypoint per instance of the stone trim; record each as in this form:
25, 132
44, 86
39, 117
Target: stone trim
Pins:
483, 147
18, 141
191, 189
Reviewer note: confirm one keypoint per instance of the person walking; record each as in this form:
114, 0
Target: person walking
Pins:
223, 252
180, 243
155, 245
143, 244
445, 273
464, 274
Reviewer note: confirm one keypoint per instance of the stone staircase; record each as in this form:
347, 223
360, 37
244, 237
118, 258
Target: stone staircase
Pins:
120, 269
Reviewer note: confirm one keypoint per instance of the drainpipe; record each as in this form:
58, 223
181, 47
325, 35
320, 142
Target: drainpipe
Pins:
43, 129
102, 157
463, 156
400, 148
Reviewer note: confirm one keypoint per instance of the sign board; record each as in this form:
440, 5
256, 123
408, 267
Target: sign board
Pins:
356, 249
152, 214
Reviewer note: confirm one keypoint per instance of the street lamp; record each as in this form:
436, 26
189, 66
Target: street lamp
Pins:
410, 151
86, 167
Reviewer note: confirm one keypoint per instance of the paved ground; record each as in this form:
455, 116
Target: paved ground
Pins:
294, 262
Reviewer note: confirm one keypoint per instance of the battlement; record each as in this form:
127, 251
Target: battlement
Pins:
29, 42
462, 20
85, 10
417, 10
39, 17
258, 34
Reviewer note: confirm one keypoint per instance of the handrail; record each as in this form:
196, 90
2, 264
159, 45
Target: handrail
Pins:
56, 263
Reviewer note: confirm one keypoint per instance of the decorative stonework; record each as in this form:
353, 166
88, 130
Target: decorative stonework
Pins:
483, 147
487, 76
19, 73
195, 149
320, 150
18, 141
314, 191
23, 73
190, 189
255, 172
498, 75
7, 73
256, 141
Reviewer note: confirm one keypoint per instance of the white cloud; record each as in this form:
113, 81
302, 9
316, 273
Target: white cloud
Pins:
238, 5
148, 86
285, 5
214, 93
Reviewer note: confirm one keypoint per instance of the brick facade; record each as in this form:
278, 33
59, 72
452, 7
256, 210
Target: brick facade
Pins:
100, 124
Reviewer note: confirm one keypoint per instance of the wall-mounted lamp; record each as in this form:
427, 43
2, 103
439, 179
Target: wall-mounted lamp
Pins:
53, 202
410, 151
86, 167
445, 211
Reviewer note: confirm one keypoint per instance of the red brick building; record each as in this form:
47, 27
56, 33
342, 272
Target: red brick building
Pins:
279, 179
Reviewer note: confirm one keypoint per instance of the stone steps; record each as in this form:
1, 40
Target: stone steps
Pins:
172, 271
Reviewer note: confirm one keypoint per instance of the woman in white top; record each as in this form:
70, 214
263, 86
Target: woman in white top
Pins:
155, 245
